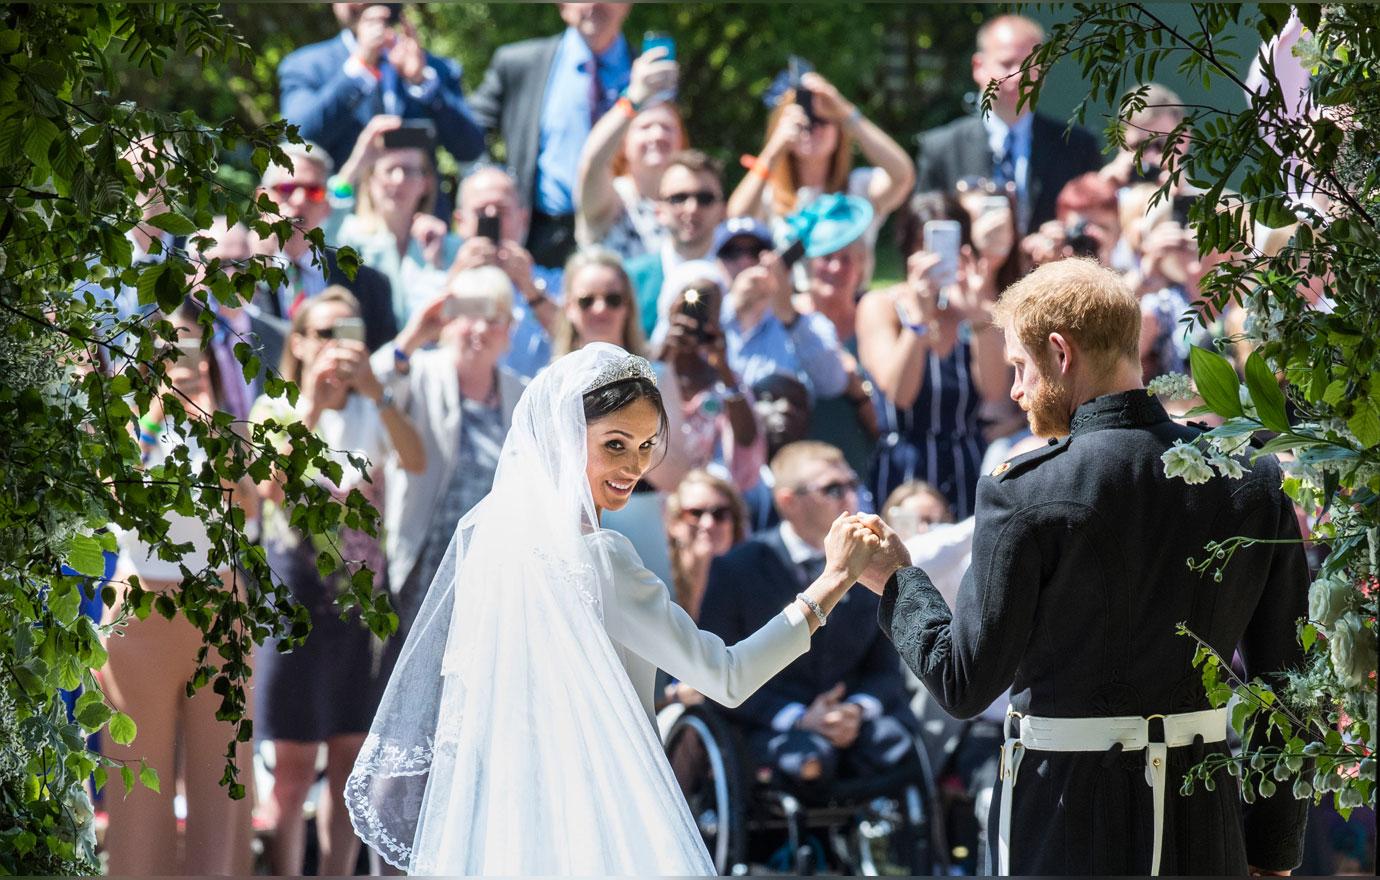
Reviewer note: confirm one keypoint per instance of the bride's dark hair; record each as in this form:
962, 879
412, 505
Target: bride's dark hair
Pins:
604, 402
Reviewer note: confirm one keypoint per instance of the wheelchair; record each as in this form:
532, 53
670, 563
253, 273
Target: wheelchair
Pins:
886, 825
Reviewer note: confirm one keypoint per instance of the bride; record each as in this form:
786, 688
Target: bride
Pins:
517, 735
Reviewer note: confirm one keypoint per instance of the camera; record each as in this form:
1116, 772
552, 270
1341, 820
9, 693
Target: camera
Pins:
1079, 241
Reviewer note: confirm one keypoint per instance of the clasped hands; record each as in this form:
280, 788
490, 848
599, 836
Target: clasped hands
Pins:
866, 549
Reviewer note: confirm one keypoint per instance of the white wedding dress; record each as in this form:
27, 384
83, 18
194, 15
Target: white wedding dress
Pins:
516, 735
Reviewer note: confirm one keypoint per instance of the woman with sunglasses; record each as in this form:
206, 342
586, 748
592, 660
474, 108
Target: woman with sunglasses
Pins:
809, 154
621, 164
322, 692
705, 518
390, 194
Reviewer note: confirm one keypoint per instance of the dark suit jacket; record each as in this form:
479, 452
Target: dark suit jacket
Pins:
1077, 584
960, 149
509, 101
331, 107
751, 584
369, 286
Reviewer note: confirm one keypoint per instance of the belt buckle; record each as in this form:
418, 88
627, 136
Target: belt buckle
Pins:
1164, 729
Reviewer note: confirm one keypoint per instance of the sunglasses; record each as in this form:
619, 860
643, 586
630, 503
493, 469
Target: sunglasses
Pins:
742, 251
611, 301
315, 192
696, 514
837, 490
704, 198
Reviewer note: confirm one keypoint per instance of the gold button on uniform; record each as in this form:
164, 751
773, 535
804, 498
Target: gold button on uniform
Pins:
1001, 469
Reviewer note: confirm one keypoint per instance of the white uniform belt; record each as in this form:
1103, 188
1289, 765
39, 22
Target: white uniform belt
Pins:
1132, 733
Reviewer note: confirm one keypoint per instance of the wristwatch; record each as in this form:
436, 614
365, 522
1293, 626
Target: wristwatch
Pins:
386, 399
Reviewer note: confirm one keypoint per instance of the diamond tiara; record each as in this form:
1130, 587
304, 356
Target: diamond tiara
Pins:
630, 367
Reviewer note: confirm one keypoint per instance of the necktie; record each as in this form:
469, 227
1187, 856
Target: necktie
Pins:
597, 106
1004, 168
811, 569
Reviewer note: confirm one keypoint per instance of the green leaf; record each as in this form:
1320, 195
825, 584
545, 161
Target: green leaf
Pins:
1216, 381
171, 222
1365, 423
99, 777
123, 729
1265, 394
148, 776
127, 777
65, 601
94, 713
1308, 636
1240, 713
84, 555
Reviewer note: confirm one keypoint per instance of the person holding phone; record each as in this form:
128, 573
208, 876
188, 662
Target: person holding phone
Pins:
935, 362
374, 66
809, 152
719, 423
389, 217
621, 165
321, 692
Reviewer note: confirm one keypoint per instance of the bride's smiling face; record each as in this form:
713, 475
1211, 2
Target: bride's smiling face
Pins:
621, 445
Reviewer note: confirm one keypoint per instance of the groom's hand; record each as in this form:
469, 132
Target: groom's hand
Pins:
890, 557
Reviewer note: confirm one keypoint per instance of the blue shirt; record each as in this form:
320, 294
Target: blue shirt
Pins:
566, 114
809, 351
530, 346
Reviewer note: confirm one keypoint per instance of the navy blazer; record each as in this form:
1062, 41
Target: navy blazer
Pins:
331, 107
960, 149
750, 584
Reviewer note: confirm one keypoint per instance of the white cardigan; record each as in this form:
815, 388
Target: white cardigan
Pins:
429, 395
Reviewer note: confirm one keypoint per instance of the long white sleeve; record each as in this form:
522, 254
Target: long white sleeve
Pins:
644, 620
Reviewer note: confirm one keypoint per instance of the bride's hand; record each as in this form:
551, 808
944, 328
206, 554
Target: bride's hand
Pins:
849, 546
891, 555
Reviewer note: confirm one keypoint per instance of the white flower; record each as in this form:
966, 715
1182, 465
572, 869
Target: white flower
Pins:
1353, 650
1231, 445
1186, 461
1226, 465
1172, 386
1327, 600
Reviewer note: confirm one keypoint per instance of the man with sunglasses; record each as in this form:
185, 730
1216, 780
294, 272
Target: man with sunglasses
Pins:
299, 191
690, 208
842, 711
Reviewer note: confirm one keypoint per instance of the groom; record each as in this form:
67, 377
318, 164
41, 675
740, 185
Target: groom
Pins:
1078, 580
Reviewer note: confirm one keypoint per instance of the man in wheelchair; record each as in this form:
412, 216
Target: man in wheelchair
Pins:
839, 713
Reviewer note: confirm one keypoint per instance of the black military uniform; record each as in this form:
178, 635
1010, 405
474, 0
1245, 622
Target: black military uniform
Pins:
1078, 580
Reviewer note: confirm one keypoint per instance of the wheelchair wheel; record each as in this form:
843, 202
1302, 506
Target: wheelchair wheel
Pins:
705, 756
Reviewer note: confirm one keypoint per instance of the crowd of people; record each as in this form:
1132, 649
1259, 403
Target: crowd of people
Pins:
796, 388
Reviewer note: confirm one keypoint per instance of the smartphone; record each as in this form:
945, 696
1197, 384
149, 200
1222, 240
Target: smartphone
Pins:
469, 306
796, 69
992, 204
412, 134
791, 255
349, 328
694, 304
659, 40
944, 237
490, 225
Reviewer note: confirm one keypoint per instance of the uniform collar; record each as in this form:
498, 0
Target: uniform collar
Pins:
1125, 409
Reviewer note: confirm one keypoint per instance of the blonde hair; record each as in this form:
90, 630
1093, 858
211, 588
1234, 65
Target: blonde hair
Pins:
290, 367
484, 282
1086, 302
906, 491
364, 203
792, 458
738, 513
785, 174
566, 339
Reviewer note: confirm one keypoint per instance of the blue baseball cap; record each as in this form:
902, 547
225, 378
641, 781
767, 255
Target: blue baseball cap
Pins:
831, 223
736, 227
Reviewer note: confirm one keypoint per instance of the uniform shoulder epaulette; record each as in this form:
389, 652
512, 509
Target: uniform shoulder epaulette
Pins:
1022, 463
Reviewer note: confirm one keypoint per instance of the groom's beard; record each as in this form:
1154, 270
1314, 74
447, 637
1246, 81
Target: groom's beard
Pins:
1048, 409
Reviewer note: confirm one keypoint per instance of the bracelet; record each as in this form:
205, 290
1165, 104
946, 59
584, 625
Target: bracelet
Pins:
814, 608
921, 330
401, 359
760, 170
626, 106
